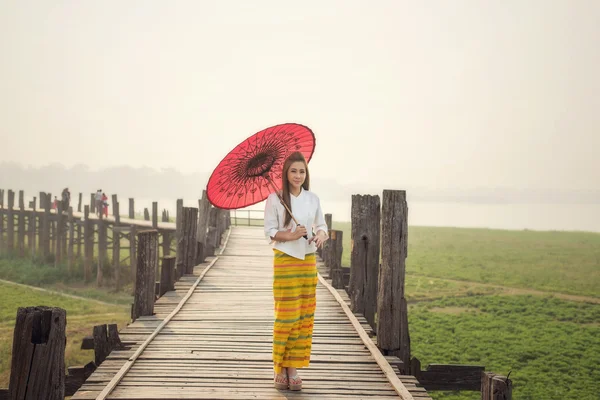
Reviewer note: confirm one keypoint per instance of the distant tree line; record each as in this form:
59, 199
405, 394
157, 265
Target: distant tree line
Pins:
151, 183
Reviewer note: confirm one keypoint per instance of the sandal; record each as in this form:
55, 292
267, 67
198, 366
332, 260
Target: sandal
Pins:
295, 383
280, 381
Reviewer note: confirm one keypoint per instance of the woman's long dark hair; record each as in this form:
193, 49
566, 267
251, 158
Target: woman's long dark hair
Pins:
285, 185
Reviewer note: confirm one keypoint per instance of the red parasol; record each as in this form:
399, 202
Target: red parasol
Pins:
247, 174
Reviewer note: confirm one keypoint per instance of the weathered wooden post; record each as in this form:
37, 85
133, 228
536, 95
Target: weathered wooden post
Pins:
203, 215
328, 221
392, 324
70, 250
88, 244
100, 335
335, 257
226, 214
167, 275
59, 234
495, 387
211, 235
1, 220
218, 224
78, 227
21, 225
154, 215
222, 224
102, 249
52, 220
105, 341
179, 256
166, 243
325, 250
116, 211
211, 241
116, 256
61, 231
186, 249
146, 214
93, 203
147, 260
38, 354
46, 226
133, 250
131, 208
64, 218
178, 212
31, 228
10, 222
364, 264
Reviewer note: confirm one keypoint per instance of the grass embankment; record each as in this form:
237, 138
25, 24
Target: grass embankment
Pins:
85, 304
37, 273
82, 315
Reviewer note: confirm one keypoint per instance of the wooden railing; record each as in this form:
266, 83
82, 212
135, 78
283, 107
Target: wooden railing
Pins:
247, 217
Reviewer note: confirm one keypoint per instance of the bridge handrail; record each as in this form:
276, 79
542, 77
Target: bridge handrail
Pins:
247, 217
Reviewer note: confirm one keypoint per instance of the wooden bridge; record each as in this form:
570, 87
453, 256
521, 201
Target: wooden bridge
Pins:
205, 329
210, 338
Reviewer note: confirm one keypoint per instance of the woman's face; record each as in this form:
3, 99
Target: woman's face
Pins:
296, 175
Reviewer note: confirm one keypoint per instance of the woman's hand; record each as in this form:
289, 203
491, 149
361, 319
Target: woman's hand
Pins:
288, 236
319, 238
299, 232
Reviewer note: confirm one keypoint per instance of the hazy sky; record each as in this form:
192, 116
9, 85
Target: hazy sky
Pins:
440, 94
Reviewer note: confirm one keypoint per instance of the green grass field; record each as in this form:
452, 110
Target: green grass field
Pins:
37, 273
550, 346
82, 315
562, 262
504, 300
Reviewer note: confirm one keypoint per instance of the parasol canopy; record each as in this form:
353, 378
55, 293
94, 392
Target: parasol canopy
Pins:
252, 170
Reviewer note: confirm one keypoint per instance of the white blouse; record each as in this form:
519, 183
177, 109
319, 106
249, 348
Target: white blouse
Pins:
306, 207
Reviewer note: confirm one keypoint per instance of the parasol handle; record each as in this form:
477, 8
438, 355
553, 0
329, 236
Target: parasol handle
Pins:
283, 202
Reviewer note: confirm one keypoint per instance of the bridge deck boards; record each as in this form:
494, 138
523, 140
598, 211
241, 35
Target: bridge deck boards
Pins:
218, 346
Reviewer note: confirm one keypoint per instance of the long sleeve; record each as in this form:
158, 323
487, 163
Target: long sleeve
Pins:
271, 220
319, 223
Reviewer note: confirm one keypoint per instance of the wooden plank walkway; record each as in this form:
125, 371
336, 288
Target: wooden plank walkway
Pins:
211, 339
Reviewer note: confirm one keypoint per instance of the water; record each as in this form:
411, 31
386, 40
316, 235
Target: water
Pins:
544, 217
562, 217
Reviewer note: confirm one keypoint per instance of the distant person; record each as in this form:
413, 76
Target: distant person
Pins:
98, 198
66, 198
55, 203
105, 204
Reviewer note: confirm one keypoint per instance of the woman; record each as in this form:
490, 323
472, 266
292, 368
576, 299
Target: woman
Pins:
105, 205
294, 269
